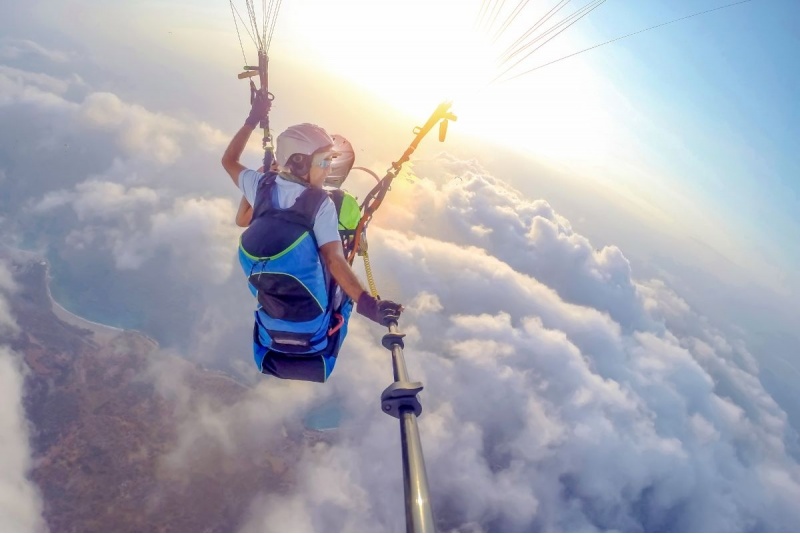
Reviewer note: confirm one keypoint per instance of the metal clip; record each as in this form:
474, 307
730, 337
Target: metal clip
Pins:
401, 395
392, 338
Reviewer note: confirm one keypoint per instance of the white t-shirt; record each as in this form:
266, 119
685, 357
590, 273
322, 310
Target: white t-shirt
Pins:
326, 224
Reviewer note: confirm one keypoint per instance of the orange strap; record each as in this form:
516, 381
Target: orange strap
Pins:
339, 322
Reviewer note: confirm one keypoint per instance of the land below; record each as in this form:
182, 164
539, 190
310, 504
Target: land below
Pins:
104, 435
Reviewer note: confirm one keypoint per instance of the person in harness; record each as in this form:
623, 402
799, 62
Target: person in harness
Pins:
347, 209
292, 255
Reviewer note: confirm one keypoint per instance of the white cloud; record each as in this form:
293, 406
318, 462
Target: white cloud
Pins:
473, 208
25, 87
540, 414
19, 48
7, 283
19, 79
139, 131
99, 200
7, 286
195, 234
20, 502
149, 136
138, 223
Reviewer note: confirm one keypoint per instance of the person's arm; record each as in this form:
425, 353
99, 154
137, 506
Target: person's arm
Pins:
245, 213
337, 265
380, 311
230, 159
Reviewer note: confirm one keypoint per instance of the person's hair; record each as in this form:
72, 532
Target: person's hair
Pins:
299, 165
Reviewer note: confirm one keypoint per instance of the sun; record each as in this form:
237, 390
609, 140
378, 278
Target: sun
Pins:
413, 54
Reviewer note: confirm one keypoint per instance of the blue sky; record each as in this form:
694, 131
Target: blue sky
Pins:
722, 89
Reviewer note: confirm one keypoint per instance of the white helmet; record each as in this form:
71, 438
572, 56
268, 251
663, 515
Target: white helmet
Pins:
343, 161
305, 139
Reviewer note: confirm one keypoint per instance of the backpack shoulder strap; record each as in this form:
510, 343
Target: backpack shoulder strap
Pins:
304, 210
264, 195
267, 181
308, 203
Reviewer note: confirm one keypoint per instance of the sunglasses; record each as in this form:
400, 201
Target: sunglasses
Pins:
326, 162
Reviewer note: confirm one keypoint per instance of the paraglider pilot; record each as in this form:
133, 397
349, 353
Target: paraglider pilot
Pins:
292, 255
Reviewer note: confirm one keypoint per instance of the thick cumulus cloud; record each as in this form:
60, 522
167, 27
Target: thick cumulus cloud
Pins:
101, 200
20, 501
134, 224
613, 408
137, 132
472, 208
65, 131
235, 430
8, 325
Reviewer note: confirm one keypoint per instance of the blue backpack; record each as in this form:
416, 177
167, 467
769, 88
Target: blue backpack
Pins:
302, 315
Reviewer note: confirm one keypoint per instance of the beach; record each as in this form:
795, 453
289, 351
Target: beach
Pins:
100, 332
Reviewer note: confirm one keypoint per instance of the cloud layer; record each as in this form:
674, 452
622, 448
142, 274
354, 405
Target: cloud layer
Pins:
20, 501
544, 415
611, 408
561, 392
130, 203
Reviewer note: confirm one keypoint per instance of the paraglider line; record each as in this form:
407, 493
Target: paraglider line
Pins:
625, 36
511, 52
586, 10
236, 13
274, 21
517, 10
495, 14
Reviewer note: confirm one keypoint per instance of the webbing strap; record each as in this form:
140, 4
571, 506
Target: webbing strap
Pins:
303, 211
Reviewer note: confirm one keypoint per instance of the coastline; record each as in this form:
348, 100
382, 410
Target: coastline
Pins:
102, 333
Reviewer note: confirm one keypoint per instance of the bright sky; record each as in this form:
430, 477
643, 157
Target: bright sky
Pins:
719, 114
692, 125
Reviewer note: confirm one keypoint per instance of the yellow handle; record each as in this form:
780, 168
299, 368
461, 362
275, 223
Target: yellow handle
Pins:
370, 280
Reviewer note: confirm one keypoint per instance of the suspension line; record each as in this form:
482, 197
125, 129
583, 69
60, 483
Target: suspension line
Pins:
595, 5
625, 36
509, 52
506, 23
495, 14
238, 35
244, 24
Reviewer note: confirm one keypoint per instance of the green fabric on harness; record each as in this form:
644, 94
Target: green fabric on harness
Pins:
347, 208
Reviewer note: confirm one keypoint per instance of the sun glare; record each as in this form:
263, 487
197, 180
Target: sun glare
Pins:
416, 53
411, 54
